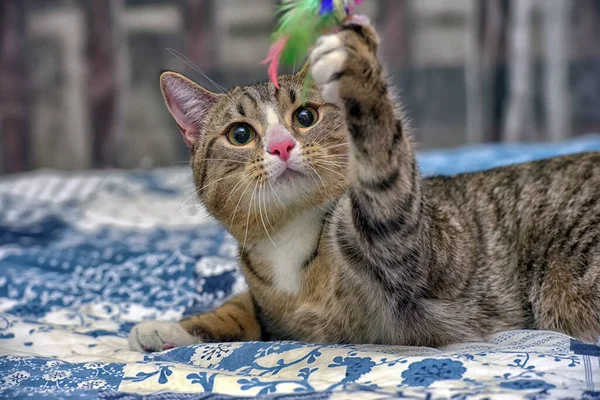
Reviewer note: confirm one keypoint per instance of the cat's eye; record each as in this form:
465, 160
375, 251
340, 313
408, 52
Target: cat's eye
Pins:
305, 117
241, 134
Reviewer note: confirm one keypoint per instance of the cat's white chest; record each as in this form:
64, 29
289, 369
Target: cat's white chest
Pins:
290, 248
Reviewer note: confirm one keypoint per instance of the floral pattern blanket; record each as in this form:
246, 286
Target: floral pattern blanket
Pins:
84, 256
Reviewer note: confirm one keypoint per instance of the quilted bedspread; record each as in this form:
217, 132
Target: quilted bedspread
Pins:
84, 256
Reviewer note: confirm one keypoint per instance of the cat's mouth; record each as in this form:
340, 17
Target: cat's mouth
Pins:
289, 175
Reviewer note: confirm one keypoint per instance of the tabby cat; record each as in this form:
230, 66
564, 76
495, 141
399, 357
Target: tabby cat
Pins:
341, 241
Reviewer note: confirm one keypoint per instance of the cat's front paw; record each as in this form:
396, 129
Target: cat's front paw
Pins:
350, 50
152, 336
327, 62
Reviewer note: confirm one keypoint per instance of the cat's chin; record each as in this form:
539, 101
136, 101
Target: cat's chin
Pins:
289, 187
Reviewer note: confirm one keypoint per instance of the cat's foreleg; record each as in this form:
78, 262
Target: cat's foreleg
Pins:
233, 321
382, 222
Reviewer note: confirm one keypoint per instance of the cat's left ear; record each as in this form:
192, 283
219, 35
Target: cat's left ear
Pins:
188, 103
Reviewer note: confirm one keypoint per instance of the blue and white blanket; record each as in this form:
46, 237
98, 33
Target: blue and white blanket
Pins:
84, 256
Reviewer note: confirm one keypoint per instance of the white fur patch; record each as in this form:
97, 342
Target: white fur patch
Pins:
327, 59
272, 117
290, 247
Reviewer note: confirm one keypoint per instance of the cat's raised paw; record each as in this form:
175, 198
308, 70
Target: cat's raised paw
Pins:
327, 65
329, 59
150, 336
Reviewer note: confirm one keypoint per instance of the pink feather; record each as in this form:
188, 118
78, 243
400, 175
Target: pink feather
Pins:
273, 59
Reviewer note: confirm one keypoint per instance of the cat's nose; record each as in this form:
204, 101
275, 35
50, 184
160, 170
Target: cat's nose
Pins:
282, 149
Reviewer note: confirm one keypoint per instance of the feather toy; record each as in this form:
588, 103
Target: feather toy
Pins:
300, 25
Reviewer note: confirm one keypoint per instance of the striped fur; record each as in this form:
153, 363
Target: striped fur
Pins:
373, 253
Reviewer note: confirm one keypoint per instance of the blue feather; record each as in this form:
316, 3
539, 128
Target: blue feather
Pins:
326, 7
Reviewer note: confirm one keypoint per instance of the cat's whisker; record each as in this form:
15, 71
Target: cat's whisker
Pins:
220, 179
331, 160
330, 152
326, 156
238, 185
316, 173
306, 191
197, 191
262, 219
193, 66
322, 136
239, 201
267, 210
335, 172
335, 146
232, 218
311, 175
185, 201
224, 159
248, 218
334, 163
275, 193
327, 132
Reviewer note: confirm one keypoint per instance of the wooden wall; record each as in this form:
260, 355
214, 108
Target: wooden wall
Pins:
78, 78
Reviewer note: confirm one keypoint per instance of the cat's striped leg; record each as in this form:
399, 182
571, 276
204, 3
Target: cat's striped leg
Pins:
233, 321
382, 221
402, 251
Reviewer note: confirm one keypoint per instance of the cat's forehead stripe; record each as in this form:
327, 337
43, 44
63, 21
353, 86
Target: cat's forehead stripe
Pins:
240, 109
264, 94
248, 94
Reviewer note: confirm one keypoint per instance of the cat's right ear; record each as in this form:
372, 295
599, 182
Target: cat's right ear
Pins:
188, 103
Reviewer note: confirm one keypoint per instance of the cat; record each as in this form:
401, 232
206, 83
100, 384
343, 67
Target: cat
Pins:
342, 241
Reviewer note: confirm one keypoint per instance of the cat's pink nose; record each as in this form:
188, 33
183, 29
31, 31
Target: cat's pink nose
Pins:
282, 149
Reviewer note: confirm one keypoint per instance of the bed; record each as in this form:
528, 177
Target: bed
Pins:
84, 256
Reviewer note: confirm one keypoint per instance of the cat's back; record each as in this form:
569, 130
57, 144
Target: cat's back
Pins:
557, 165
529, 212
558, 184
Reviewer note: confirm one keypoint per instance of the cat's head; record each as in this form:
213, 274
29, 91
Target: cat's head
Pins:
259, 154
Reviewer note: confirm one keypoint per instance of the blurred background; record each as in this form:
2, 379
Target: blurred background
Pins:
79, 78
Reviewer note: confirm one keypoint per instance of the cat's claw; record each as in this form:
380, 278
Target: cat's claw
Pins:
150, 336
327, 63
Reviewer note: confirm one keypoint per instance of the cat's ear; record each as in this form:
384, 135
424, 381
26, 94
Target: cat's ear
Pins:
188, 103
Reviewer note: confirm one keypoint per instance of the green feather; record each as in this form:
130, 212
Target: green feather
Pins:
301, 23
